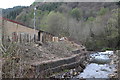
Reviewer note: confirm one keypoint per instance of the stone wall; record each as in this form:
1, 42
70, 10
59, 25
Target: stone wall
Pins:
48, 68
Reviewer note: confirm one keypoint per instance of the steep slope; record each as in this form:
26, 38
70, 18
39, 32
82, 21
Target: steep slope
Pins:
87, 9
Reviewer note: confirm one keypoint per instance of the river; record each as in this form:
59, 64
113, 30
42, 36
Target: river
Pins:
100, 66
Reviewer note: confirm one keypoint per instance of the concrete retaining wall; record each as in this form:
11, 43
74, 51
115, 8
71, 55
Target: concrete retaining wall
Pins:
45, 69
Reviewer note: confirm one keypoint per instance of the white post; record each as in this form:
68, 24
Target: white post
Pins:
34, 22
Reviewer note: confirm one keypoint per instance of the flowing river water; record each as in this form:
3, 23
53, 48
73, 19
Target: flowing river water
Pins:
100, 66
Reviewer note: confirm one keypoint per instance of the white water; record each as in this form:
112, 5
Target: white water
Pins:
95, 70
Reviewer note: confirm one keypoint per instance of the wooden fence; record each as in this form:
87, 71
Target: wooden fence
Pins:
45, 37
22, 37
27, 37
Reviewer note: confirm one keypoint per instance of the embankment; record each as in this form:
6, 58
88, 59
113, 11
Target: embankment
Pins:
45, 69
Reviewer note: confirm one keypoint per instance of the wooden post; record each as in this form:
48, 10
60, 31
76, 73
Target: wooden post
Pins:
47, 37
51, 37
30, 38
27, 37
56, 39
34, 37
20, 38
14, 37
17, 36
41, 37
24, 38
44, 37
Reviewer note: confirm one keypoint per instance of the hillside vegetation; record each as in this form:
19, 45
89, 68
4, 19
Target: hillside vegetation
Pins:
12, 13
93, 24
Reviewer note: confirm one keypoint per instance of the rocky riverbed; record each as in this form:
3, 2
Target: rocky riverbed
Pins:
99, 65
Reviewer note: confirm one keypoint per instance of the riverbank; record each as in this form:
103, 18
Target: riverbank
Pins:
118, 64
115, 61
53, 60
93, 70
20, 58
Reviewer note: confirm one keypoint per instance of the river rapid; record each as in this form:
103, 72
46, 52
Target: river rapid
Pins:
101, 66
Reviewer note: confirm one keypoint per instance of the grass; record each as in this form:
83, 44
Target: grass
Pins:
66, 70
104, 49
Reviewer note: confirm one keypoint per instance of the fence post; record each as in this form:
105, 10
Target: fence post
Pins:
34, 37
30, 38
20, 38
26, 37
17, 37
41, 37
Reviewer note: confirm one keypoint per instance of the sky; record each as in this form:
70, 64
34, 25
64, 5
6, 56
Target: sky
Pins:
11, 3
